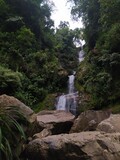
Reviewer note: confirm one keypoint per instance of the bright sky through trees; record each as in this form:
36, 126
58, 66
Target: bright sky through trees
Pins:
62, 13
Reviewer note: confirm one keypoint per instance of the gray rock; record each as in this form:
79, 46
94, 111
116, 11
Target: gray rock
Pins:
55, 122
88, 121
75, 146
110, 125
27, 112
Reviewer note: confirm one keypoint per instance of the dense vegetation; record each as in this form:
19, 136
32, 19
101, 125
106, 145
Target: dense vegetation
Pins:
34, 64
33, 57
99, 74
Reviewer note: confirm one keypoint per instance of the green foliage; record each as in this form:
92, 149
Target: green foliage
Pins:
26, 39
89, 12
30, 67
15, 48
110, 14
98, 75
10, 131
94, 82
113, 38
3, 11
47, 104
9, 81
66, 50
99, 88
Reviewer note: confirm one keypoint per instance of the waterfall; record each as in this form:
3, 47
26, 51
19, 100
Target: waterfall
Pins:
71, 97
71, 103
81, 55
61, 104
68, 102
71, 84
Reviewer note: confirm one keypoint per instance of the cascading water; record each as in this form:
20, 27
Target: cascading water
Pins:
68, 102
71, 97
71, 84
81, 56
61, 104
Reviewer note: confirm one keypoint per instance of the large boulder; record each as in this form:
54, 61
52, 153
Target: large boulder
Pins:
110, 125
75, 146
88, 121
7, 101
29, 116
54, 122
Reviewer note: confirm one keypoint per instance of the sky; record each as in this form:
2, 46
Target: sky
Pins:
62, 13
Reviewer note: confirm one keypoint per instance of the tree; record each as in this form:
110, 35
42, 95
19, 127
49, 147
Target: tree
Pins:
89, 12
65, 47
109, 13
64, 24
101, 21
26, 40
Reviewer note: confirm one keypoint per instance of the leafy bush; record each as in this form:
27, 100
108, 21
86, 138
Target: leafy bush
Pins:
9, 81
99, 87
112, 41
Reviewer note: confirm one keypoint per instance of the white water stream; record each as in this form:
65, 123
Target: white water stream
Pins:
81, 56
61, 104
68, 102
71, 84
